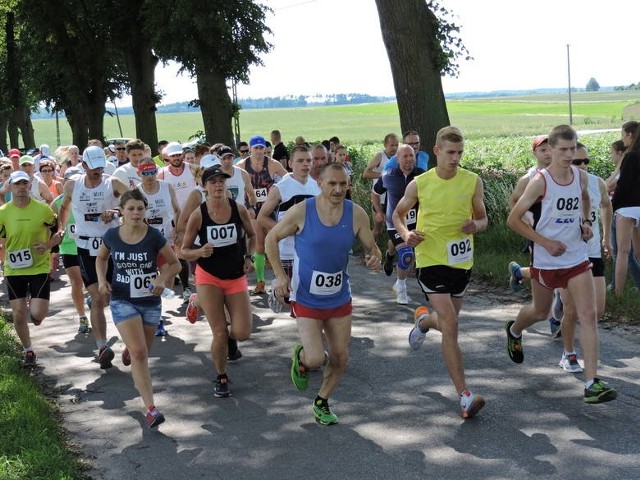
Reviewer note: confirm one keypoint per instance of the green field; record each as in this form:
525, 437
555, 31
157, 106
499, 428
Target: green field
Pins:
486, 117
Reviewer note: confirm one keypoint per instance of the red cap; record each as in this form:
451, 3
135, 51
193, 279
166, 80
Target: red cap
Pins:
14, 152
539, 140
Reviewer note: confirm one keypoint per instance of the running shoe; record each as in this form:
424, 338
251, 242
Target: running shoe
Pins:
186, 294
221, 387
192, 309
417, 336
274, 304
259, 290
569, 363
105, 355
387, 266
160, 330
514, 345
126, 357
555, 327
299, 374
154, 418
402, 298
29, 359
470, 404
515, 281
233, 352
84, 326
599, 392
324, 415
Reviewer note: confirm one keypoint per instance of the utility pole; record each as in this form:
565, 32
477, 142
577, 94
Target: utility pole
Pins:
569, 77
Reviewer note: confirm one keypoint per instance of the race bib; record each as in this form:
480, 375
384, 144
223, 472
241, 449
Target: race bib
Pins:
566, 207
323, 283
459, 251
93, 245
412, 217
261, 194
140, 285
222, 235
20, 258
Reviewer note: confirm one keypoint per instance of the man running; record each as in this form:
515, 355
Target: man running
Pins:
451, 211
324, 227
560, 257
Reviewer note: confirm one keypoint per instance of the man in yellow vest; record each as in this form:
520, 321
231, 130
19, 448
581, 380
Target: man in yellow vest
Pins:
451, 210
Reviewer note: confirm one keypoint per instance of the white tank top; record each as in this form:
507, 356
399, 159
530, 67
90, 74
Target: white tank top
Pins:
560, 218
291, 193
182, 184
235, 185
160, 214
380, 168
594, 248
87, 205
35, 189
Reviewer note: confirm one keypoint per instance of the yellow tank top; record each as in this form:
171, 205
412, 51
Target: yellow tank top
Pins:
444, 206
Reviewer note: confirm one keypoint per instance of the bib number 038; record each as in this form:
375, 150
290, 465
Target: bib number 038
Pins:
323, 283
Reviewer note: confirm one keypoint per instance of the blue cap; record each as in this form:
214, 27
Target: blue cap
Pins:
257, 141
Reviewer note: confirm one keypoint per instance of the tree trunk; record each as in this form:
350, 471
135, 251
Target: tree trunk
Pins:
216, 107
409, 32
22, 119
4, 124
78, 122
141, 64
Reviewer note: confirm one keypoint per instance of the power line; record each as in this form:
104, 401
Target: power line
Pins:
293, 5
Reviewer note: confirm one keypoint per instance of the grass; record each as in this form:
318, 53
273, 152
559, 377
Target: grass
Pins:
32, 442
361, 124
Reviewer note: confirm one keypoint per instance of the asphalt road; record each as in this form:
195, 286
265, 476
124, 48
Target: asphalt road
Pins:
398, 412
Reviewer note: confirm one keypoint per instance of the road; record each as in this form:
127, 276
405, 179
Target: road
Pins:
397, 407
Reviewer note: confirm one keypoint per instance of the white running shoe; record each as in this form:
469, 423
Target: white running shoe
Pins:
470, 404
402, 298
569, 363
186, 294
417, 336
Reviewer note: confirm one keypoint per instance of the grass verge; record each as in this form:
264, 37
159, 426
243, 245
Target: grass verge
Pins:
32, 442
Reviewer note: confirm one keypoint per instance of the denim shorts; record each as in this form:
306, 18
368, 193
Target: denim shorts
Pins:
122, 310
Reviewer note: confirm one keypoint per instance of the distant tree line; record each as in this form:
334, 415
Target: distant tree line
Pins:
633, 86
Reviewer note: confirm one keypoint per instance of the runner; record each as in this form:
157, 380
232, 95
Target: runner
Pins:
560, 254
135, 288
291, 190
450, 212
393, 184
220, 225
324, 227
69, 253
600, 211
93, 199
25, 228
264, 172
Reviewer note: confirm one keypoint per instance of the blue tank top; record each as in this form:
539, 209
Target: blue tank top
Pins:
320, 279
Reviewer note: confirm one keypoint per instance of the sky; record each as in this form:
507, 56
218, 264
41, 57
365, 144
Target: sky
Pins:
335, 46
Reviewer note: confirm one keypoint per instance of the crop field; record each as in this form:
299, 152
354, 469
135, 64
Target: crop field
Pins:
513, 116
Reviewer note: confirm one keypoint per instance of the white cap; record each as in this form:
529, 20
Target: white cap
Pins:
19, 175
172, 148
44, 150
209, 160
94, 157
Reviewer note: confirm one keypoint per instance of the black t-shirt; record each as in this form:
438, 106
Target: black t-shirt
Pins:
280, 152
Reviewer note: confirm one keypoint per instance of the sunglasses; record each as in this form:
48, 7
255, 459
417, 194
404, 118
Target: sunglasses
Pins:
147, 173
244, 151
120, 148
46, 170
580, 161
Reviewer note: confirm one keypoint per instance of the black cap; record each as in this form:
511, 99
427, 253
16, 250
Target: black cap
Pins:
212, 172
223, 151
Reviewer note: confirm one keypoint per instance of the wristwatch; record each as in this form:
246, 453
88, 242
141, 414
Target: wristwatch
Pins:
248, 257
